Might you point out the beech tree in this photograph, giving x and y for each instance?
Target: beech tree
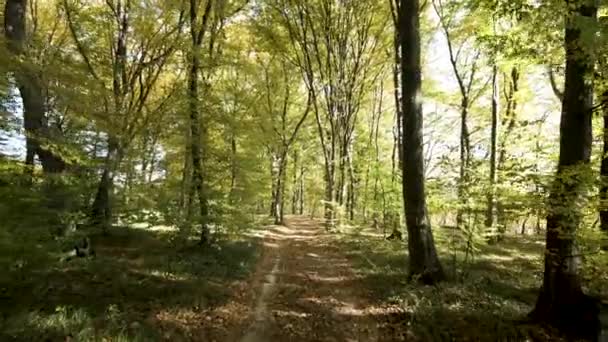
(561, 300)
(423, 259)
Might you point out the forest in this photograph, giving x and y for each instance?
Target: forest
(304, 170)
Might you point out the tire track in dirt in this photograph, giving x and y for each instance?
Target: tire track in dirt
(306, 290)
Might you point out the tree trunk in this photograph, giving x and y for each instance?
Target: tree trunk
(561, 301)
(31, 89)
(295, 190)
(197, 32)
(101, 214)
(301, 204)
(351, 188)
(233, 168)
(464, 159)
(329, 212)
(491, 205)
(508, 122)
(279, 164)
(423, 260)
(604, 168)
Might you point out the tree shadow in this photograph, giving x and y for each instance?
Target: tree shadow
(140, 284)
(486, 299)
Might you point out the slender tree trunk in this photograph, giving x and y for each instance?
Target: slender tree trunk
(464, 159)
(329, 210)
(274, 171)
(102, 205)
(279, 173)
(186, 180)
(295, 188)
(233, 168)
(561, 301)
(604, 168)
(508, 122)
(491, 205)
(423, 260)
(301, 199)
(196, 149)
(351, 187)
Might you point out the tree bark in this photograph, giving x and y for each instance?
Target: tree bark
(561, 301)
(278, 210)
(301, 187)
(423, 259)
(101, 210)
(197, 32)
(508, 123)
(295, 189)
(604, 167)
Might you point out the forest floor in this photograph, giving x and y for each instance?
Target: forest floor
(273, 283)
(306, 290)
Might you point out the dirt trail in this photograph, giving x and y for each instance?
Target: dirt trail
(305, 290)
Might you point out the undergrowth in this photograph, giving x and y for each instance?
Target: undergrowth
(486, 298)
(142, 285)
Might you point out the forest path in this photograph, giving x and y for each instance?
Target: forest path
(306, 290)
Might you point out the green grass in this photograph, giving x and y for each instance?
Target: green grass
(485, 299)
(141, 286)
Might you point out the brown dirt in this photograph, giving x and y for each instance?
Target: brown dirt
(305, 290)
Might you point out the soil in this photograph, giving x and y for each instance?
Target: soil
(304, 289)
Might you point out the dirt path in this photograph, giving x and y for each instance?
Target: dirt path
(305, 290)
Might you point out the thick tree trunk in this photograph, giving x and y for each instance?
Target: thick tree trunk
(561, 301)
(491, 203)
(31, 89)
(423, 259)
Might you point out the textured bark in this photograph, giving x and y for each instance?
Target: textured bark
(561, 301)
(423, 260)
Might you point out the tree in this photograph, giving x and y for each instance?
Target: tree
(198, 28)
(126, 86)
(31, 87)
(334, 45)
(561, 300)
(424, 262)
(464, 59)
